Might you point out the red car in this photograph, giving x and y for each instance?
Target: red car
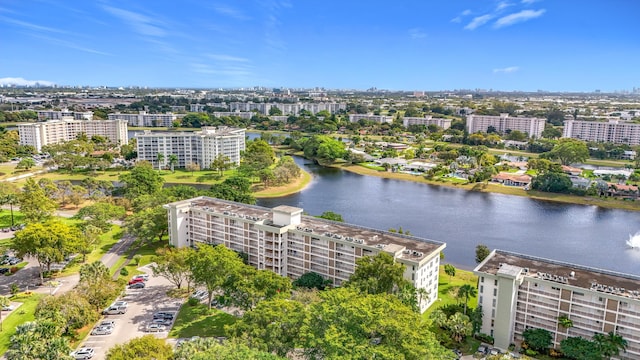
(135, 281)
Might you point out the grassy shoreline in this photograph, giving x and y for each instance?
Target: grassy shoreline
(292, 188)
(497, 188)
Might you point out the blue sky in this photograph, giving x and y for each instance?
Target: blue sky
(556, 45)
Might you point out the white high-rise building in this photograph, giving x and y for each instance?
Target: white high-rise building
(427, 120)
(290, 244)
(200, 147)
(613, 131)
(531, 126)
(519, 292)
(143, 119)
(58, 131)
(64, 114)
(370, 117)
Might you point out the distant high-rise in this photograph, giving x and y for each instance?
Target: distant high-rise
(531, 126)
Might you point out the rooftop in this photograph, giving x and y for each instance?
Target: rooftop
(411, 247)
(564, 273)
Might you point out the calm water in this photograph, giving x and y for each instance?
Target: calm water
(586, 235)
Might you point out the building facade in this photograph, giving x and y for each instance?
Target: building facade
(67, 129)
(143, 119)
(290, 244)
(613, 131)
(199, 147)
(531, 126)
(287, 108)
(427, 120)
(64, 114)
(370, 117)
(518, 292)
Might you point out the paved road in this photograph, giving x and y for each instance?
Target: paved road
(142, 303)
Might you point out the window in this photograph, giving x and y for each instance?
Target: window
(482, 279)
(480, 301)
(481, 288)
(494, 303)
(495, 292)
(493, 313)
(495, 282)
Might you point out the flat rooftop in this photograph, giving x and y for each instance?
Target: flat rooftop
(585, 277)
(415, 248)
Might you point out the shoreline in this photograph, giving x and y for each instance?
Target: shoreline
(497, 189)
(273, 192)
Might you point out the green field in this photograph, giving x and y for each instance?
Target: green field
(200, 321)
(21, 315)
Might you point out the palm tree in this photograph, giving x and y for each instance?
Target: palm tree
(173, 159)
(610, 344)
(564, 321)
(466, 291)
(421, 293)
(439, 318)
(160, 158)
(450, 270)
(460, 326)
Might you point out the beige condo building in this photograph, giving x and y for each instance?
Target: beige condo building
(531, 126)
(142, 119)
(67, 129)
(518, 292)
(290, 244)
(427, 120)
(613, 131)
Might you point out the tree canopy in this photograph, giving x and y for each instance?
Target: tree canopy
(142, 179)
(142, 348)
(569, 151)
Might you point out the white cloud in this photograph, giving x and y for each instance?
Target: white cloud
(466, 12)
(230, 12)
(417, 33)
(529, 1)
(71, 45)
(458, 18)
(507, 70)
(142, 24)
(31, 26)
(478, 21)
(23, 82)
(515, 18)
(503, 5)
(229, 58)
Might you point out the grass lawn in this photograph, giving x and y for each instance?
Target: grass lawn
(200, 321)
(107, 240)
(5, 218)
(21, 315)
(291, 188)
(447, 289)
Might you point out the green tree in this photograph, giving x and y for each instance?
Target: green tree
(96, 285)
(552, 182)
(70, 309)
(312, 280)
(274, 111)
(348, 324)
(565, 322)
(77, 195)
(220, 164)
(330, 215)
(377, 275)
(93, 272)
(482, 251)
(258, 155)
(8, 195)
(272, 326)
(172, 264)
(450, 270)
(26, 163)
(160, 160)
(211, 348)
(100, 215)
(148, 224)
(466, 291)
(569, 151)
(235, 188)
(48, 242)
(141, 180)
(38, 340)
(248, 286)
(579, 348)
(89, 239)
(459, 326)
(212, 266)
(538, 339)
(35, 205)
(173, 160)
(141, 348)
(610, 344)
(192, 166)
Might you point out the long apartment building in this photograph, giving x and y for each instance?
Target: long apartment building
(370, 117)
(290, 244)
(287, 108)
(59, 131)
(427, 120)
(143, 119)
(199, 147)
(531, 126)
(613, 131)
(64, 114)
(518, 292)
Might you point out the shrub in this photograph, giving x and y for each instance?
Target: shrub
(14, 269)
(124, 272)
(193, 301)
(485, 338)
(15, 289)
(137, 258)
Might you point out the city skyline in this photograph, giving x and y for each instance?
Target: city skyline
(523, 45)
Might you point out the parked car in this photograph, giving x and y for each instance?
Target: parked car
(458, 353)
(167, 315)
(165, 322)
(137, 285)
(144, 277)
(200, 295)
(14, 261)
(4, 270)
(83, 353)
(102, 330)
(156, 328)
(135, 281)
(119, 303)
(114, 310)
(482, 350)
(111, 323)
(494, 351)
(8, 308)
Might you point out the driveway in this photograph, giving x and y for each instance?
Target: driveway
(142, 303)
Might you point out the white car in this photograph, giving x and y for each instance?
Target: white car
(8, 308)
(102, 330)
(119, 304)
(83, 353)
(109, 323)
(156, 328)
(200, 295)
(115, 310)
(144, 277)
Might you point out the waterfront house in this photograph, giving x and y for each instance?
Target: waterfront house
(509, 179)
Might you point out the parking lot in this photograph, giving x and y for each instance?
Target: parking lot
(142, 304)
